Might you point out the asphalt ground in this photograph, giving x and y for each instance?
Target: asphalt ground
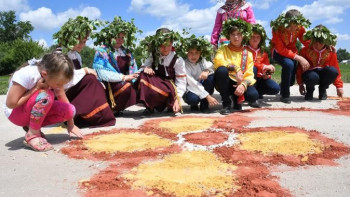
(28, 173)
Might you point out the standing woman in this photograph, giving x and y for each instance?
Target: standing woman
(232, 9)
(115, 64)
(95, 111)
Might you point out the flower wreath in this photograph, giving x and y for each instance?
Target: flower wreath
(150, 44)
(243, 27)
(259, 29)
(108, 34)
(199, 43)
(75, 29)
(321, 34)
(283, 22)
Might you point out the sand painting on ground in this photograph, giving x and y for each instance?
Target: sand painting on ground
(199, 156)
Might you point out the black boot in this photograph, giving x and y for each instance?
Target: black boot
(323, 94)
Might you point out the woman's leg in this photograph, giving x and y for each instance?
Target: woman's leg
(287, 75)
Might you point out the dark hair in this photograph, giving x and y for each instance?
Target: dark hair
(292, 13)
(57, 64)
(163, 30)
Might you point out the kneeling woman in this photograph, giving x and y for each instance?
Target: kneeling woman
(163, 80)
(115, 65)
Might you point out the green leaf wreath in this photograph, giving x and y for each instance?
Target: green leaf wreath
(259, 29)
(242, 26)
(107, 36)
(193, 42)
(74, 30)
(150, 44)
(283, 22)
(321, 34)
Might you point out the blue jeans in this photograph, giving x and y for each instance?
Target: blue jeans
(289, 68)
(226, 89)
(265, 86)
(319, 76)
(193, 99)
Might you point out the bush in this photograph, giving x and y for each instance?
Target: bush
(13, 54)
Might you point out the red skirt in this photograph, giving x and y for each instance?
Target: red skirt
(155, 92)
(92, 109)
(124, 95)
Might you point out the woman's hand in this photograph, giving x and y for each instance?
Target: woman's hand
(130, 77)
(204, 75)
(41, 84)
(211, 100)
(72, 129)
(303, 62)
(239, 77)
(340, 93)
(148, 71)
(239, 90)
(176, 106)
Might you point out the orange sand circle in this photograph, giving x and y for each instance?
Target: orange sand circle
(189, 173)
(125, 142)
(280, 142)
(187, 124)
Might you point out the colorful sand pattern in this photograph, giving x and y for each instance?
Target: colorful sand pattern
(152, 161)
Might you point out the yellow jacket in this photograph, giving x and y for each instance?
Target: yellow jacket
(226, 56)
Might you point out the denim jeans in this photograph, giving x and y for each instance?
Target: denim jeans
(289, 67)
(226, 89)
(193, 99)
(265, 86)
(320, 76)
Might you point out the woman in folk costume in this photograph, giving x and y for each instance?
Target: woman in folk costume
(262, 67)
(92, 112)
(324, 69)
(163, 80)
(286, 30)
(115, 65)
(232, 9)
(200, 73)
(233, 63)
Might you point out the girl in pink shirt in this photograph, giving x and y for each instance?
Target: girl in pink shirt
(232, 9)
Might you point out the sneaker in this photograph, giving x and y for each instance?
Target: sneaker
(309, 96)
(322, 95)
(285, 100)
(148, 112)
(118, 113)
(194, 108)
(254, 104)
(225, 110)
(238, 107)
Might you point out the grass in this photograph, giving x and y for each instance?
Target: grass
(4, 83)
(344, 69)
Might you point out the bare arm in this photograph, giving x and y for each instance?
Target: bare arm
(18, 95)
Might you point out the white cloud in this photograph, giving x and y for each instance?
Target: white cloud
(329, 11)
(262, 4)
(16, 5)
(345, 37)
(44, 19)
(42, 42)
(199, 20)
(159, 8)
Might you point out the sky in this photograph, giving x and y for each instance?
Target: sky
(197, 16)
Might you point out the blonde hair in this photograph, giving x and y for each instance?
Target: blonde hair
(56, 64)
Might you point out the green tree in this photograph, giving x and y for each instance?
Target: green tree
(13, 54)
(342, 54)
(87, 56)
(10, 30)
